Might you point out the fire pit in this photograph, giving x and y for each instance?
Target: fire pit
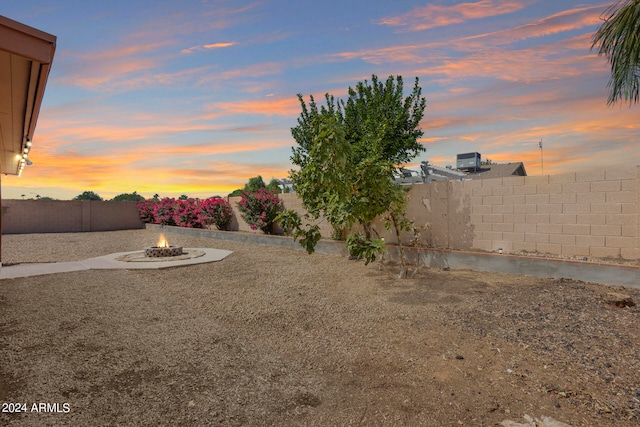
(163, 249)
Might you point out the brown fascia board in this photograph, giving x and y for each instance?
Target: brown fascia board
(38, 47)
(26, 41)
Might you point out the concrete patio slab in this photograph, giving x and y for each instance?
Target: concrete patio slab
(109, 262)
(26, 270)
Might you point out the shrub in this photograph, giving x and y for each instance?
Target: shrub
(164, 212)
(260, 208)
(188, 213)
(192, 213)
(146, 210)
(217, 211)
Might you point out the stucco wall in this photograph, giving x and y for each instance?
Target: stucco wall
(57, 216)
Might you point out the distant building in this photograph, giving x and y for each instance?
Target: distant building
(286, 185)
(425, 173)
(498, 171)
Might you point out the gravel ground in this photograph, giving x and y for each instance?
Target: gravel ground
(272, 336)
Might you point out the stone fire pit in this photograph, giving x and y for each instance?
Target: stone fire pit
(160, 252)
(163, 249)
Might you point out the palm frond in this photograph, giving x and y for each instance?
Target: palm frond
(618, 38)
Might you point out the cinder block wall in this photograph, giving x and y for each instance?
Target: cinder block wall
(592, 214)
(58, 216)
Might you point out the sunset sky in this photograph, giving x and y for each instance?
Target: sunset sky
(195, 97)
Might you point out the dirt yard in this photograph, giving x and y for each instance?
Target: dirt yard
(272, 336)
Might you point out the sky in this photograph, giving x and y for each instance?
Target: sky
(197, 96)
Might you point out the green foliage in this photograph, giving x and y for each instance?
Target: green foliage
(128, 197)
(309, 238)
(183, 197)
(274, 185)
(379, 120)
(347, 153)
(291, 222)
(361, 247)
(87, 195)
(254, 184)
(618, 39)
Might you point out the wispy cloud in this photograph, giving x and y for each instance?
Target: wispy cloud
(132, 61)
(434, 15)
(433, 52)
(567, 20)
(267, 107)
(251, 71)
(208, 47)
(214, 17)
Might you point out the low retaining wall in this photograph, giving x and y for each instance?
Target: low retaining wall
(329, 247)
(607, 274)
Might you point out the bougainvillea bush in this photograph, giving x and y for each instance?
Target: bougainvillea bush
(192, 213)
(164, 211)
(188, 213)
(146, 209)
(260, 208)
(218, 212)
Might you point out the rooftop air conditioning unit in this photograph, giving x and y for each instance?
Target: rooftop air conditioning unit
(468, 161)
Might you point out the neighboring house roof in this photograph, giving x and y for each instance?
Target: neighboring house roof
(25, 60)
(425, 173)
(436, 173)
(498, 171)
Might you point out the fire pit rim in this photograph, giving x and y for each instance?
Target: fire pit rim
(162, 251)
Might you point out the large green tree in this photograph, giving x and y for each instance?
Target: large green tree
(128, 197)
(347, 152)
(87, 195)
(618, 38)
(254, 184)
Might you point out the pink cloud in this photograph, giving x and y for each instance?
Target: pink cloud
(566, 20)
(289, 106)
(434, 52)
(257, 70)
(208, 47)
(433, 15)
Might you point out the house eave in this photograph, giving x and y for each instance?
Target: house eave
(26, 55)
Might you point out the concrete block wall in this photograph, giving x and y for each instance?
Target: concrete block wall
(592, 214)
(57, 216)
(586, 214)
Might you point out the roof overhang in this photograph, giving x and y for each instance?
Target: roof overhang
(25, 61)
